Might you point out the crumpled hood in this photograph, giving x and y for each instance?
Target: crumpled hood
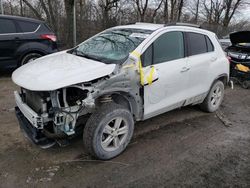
(240, 37)
(59, 70)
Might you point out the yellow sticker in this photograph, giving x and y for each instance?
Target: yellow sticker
(138, 55)
(128, 66)
(150, 77)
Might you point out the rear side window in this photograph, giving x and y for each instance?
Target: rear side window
(210, 46)
(27, 26)
(168, 46)
(196, 44)
(7, 26)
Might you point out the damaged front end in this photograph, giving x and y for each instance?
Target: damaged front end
(48, 117)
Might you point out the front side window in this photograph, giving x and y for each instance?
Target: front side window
(112, 46)
(7, 26)
(167, 47)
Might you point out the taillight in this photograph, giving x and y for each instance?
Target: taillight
(49, 37)
(229, 59)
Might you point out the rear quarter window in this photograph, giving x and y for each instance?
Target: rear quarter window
(210, 46)
(44, 28)
(27, 26)
(7, 26)
(196, 44)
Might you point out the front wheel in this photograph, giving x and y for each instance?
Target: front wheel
(108, 131)
(214, 98)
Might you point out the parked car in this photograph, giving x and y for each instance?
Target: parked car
(225, 43)
(122, 75)
(239, 53)
(23, 40)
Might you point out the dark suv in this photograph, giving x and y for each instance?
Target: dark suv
(23, 40)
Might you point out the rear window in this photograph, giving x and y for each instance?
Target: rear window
(197, 44)
(7, 26)
(27, 26)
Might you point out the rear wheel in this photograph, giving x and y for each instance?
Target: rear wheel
(214, 98)
(108, 131)
(246, 84)
(30, 57)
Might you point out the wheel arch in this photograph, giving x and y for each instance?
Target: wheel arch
(222, 77)
(125, 99)
(41, 52)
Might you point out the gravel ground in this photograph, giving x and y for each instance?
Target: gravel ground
(182, 148)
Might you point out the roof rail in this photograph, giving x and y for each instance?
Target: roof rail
(142, 23)
(182, 24)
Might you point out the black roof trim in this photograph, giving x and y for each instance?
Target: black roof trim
(21, 18)
(182, 24)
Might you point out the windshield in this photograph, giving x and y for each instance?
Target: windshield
(112, 46)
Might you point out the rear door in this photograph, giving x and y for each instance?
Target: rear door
(8, 34)
(200, 56)
(167, 56)
(27, 32)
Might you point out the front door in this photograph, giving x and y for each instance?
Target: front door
(167, 56)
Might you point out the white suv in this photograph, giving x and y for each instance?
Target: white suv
(121, 75)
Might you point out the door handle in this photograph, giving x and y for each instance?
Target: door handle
(17, 40)
(185, 69)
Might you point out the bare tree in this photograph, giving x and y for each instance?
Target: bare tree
(21, 7)
(155, 11)
(165, 11)
(69, 4)
(197, 5)
(180, 7)
(230, 8)
(106, 6)
(141, 8)
(96, 15)
(34, 10)
(176, 7)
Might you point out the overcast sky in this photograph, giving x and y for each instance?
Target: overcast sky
(246, 12)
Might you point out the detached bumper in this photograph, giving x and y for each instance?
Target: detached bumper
(34, 134)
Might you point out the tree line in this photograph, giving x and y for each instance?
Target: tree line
(92, 16)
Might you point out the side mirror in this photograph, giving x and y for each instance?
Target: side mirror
(149, 75)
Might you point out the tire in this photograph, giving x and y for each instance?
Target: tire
(214, 98)
(30, 57)
(102, 136)
(245, 84)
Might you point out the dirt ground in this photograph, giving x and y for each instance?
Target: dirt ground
(182, 148)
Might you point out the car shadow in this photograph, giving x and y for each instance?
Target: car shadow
(6, 73)
(142, 128)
